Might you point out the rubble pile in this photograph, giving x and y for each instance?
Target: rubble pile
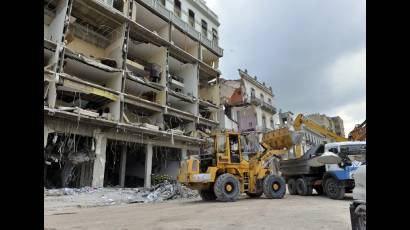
(89, 196)
(168, 191)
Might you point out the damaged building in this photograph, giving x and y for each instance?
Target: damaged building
(131, 87)
(248, 105)
(335, 124)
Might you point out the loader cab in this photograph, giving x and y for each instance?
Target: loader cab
(228, 148)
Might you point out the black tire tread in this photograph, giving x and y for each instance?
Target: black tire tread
(340, 194)
(267, 187)
(306, 189)
(292, 187)
(219, 186)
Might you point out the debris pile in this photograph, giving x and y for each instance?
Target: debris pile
(88, 196)
(168, 191)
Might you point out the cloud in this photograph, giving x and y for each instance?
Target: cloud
(312, 52)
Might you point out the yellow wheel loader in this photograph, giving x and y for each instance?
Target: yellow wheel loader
(221, 172)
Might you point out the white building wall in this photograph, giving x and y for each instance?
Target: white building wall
(185, 6)
(258, 91)
(259, 112)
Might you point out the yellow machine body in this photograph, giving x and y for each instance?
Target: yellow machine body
(248, 172)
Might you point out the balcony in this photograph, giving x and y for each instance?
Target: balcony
(182, 25)
(268, 107)
(255, 101)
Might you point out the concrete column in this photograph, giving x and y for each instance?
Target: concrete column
(148, 166)
(46, 132)
(52, 95)
(123, 163)
(183, 154)
(99, 162)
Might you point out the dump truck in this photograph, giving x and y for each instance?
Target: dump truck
(222, 173)
(326, 168)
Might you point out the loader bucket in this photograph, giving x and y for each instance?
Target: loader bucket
(282, 138)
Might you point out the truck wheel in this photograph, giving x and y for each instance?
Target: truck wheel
(292, 187)
(227, 187)
(334, 189)
(303, 188)
(207, 195)
(274, 187)
(254, 195)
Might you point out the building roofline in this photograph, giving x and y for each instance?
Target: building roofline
(206, 11)
(245, 75)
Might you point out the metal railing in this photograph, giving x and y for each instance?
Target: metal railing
(268, 107)
(184, 26)
(254, 100)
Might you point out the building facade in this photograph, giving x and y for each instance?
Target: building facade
(248, 103)
(130, 88)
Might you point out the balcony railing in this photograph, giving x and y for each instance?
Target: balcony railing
(158, 7)
(255, 101)
(268, 107)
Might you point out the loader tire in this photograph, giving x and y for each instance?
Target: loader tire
(254, 195)
(292, 187)
(334, 189)
(227, 187)
(274, 187)
(207, 195)
(303, 188)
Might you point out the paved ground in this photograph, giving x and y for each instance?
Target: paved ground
(292, 212)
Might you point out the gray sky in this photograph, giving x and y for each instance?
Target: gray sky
(312, 52)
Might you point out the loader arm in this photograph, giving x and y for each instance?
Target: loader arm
(276, 143)
(301, 120)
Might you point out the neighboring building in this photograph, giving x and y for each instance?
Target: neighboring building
(128, 84)
(286, 119)
(248, 103)
(338, 126)
(334, 124)
(310, 137)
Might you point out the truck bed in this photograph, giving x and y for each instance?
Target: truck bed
(299, 166)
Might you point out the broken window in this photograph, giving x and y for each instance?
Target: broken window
(68, 160)
(204, 28)
(191, 18)
(177, 8)
(119, 5)
(162, 2)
